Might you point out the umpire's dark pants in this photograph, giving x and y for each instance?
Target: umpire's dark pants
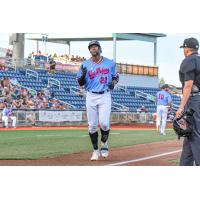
(191, 145)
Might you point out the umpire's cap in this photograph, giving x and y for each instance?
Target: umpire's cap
(190, 43)
(94, 42)
(165, 86)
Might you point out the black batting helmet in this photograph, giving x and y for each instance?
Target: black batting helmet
(95, 42)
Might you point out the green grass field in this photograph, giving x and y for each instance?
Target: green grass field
(50, 143)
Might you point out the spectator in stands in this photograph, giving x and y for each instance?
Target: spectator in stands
(16, 104)
(39, 104)
(1, 104)
(23, 93)
(2, 67)
(14, 81)
(72, 58)
(29, 60)
(12, 93)
(45, 105)
(142, 109)
(5, 82)
(52, 65)
(39, 53)
(43, 98)
(30, 103)
(56, 104)
(8, 59)
(81, 91)
(5, 92)
(47, 92)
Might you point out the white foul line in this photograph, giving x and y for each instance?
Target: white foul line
(144, 158)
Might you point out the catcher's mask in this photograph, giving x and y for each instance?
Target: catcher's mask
(183, 126)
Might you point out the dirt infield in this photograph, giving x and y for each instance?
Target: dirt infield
(140, 152)
(162, 153)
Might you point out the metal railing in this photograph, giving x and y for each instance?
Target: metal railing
(144, 95)
(119, 107)
(121, 87)
(53, 81)
(76, 90)
(32, 73)
(64, 102)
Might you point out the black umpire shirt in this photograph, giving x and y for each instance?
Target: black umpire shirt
(190, 69)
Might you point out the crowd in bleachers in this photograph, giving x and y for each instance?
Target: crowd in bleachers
(19, 97)
(64, 59)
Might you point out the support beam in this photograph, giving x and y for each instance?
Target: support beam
(114, 47)
(69, 50)
(37, 46)
(155, 54)
(18, 48)
(136, 36)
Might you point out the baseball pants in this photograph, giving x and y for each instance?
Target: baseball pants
(161, 118)
(191, 145)
(5, 120)
(98, 111)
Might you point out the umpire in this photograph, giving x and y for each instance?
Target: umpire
(189, 75)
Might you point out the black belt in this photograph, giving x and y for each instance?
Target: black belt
(102, 92)
(194, 94)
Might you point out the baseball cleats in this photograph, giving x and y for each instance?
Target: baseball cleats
(95, 155)
(104, 150)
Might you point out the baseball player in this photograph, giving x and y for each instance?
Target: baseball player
(164, 103)
(7, 114)
(98, 74)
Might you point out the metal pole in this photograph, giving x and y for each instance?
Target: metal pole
(114, 47)
(45, 48)
(69, 50)
(155, 54)
(37, 47)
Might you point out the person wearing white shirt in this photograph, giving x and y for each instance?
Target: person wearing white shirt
(6, 115)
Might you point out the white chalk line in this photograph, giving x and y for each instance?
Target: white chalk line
(144, 158)
(59, 136)
(55, 135)
(110, 134)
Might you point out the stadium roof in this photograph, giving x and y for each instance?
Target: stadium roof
(78, 37)
(72, 37)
